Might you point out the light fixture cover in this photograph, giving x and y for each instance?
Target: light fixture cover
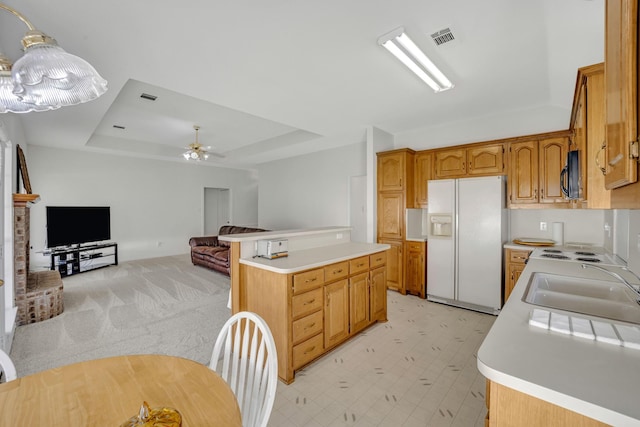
(398, 43)
(9, 102)
(46, 75)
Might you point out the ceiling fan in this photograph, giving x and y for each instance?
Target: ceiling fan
(196, 151)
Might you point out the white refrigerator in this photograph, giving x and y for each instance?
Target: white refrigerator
(467, 228)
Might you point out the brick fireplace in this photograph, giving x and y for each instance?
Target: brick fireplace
(38, 295)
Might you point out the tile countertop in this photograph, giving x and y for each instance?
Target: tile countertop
(599, 380)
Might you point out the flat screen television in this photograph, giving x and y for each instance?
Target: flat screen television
(74, 225)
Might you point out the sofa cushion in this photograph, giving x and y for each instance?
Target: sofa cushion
(233, 229)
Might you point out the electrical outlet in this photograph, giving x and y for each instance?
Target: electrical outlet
(339, 236)
(543, 226)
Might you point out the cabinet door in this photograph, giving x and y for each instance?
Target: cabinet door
(485, 160)
(451, 163)
(598, 197)
(336, 312)
(515, 270)
(415, 271)
(621, 36)
(523, 172)
(378, 294)
(391, 171)
(358, 302)
(390, 215)
(394, 265)
(424, 166)
(552, 158)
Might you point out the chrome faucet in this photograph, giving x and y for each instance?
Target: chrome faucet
(617, 276)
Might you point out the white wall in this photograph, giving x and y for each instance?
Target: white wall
(155, 205)
(310, 190)
(580, 225)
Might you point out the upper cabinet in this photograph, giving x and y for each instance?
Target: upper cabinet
(534, 171)
(476, 160)
(588, 127)
(395, 170)
(621, 92)
(424, 167)
(395, 191)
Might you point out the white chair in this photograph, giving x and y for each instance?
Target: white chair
(249, 365)
(7, 368)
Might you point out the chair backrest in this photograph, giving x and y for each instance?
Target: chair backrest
(244, 355)
(7, 368)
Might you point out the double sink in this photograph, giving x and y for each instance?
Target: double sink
(600, 298)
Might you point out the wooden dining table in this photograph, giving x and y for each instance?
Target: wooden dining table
(108, 392)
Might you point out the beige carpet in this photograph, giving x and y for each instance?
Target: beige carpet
(155, 306)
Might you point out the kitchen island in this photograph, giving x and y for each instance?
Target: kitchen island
(325, 291)
(541, 377)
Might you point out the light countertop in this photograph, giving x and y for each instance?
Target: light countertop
(315, 257)
(597, 379)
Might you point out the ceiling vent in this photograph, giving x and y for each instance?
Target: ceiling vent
(118, 127)
(442, 36)
(149, 97)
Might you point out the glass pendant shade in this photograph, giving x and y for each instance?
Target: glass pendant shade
(9, 102)
(46, 75)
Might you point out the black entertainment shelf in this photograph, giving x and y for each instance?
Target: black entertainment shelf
(79, 259)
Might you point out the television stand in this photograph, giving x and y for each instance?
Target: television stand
(79, 259)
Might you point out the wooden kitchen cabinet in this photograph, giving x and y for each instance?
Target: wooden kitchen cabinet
(621, 73)
(509, 407)
(312, 311)
(588, 127)
(395, 262)
(515, 261)
(395, 194)
(378, 295)
(450, 163)
(415, 268)
(424, 172)
(476, 160)
(391, 215)
(336, 312)
(534, 171)
(485, 159)
(395, 171)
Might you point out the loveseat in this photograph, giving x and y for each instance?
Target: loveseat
(210, 252)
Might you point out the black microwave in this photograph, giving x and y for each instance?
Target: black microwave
(570, 176)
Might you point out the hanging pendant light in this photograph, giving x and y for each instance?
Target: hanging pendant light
(46, 77)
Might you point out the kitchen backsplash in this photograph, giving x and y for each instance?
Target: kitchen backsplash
(580, 225)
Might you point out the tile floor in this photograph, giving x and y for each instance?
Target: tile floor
(417, 369)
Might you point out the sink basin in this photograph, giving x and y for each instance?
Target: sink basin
(599, 298)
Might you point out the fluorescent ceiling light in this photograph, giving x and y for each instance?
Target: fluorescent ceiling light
(403, 48)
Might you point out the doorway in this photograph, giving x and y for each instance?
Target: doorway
(216, 210)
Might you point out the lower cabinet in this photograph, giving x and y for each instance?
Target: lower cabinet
(415, 277)
(508, 407)
(313, 311)
(395, 263)
(515, 261)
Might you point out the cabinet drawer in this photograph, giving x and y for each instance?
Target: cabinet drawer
(414, 246)
(306, 303)
(307, 351)
(518, 256)
(308, 280)
(336, 271)
(358, 265)
(376, 260)
(307, 327)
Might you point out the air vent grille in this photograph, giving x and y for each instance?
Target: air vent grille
(442, 36)
(149, 97)
(118, 127)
